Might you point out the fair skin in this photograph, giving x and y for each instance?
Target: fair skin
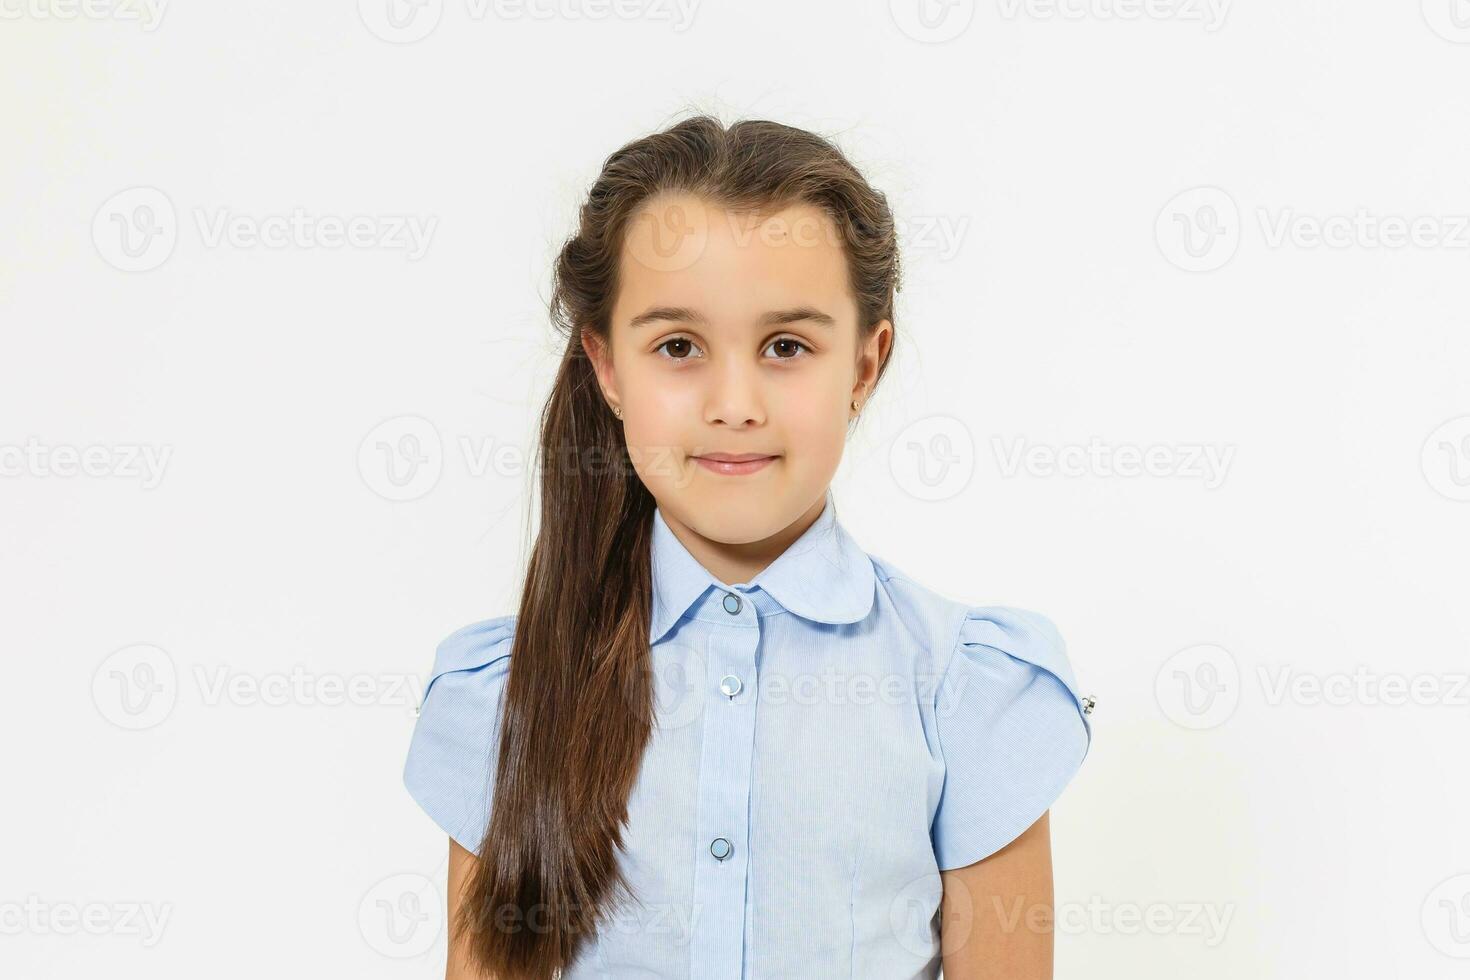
(996, 916)
(740, 336)
(744, 340)
(457, 965)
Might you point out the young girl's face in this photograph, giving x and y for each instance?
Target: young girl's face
(736, 335)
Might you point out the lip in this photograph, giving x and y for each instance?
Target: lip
(734, 464)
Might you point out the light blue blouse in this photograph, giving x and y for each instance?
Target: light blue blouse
(829, 737)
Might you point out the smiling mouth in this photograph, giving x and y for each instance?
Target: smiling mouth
(734, 464)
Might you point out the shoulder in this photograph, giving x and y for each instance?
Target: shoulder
(1011, 728)
(452, 754)
(916, 601)
(1007, 647)
(928, 616)
(1014, 642)
(470, 648)
(470, 669)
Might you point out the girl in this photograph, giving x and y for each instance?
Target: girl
(718, 739)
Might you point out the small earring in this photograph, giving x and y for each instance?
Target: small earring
(617, 411)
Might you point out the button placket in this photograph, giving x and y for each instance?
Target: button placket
(730, 684)
(722, 861)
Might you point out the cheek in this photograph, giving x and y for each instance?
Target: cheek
(815, 425)
(655, 427)
(657, 457)
(815, 406)
(650, 386)
(660, 409)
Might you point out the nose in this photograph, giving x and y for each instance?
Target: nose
(734, 397)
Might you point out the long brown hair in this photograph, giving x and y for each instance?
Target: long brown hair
(578, 706)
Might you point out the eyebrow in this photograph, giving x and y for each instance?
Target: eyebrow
(683, 314)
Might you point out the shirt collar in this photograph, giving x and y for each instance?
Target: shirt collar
(823, 576)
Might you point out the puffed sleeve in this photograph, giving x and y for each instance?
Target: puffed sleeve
(455, 743)
(1011, 729)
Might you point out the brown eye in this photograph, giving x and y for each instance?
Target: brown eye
(787, 344)
(683, 353)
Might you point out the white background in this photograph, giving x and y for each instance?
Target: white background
(1067, 286)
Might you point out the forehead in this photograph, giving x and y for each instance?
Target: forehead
(681, 250)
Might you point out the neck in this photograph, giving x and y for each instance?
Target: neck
(737, 562)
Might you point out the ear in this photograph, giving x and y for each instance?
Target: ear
(871, 355)
(601, 358)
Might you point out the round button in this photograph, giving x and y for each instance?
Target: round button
(730, 685)
(720, 848)
(732, 603)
